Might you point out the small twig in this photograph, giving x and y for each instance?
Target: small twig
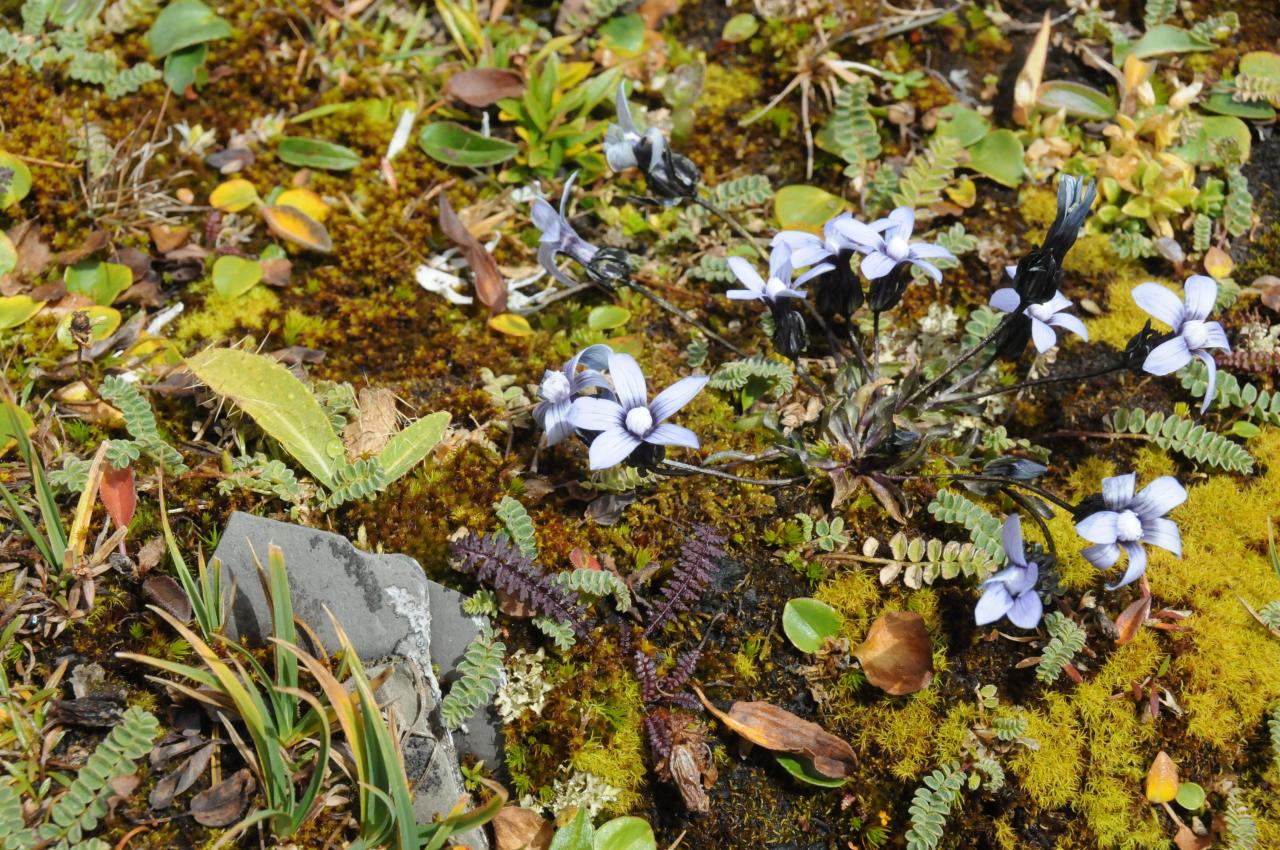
(716, 473)
(991, 479)
(733, 223)
(668, 306)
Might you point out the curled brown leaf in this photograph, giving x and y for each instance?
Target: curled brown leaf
(491, 289)
(224, 803)
(897, 655)
(484, 86)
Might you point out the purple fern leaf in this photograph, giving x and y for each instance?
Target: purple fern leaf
(697, 566)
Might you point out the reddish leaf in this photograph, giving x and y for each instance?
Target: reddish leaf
(118, 494)
(491, 289)
(897, 655)
(777, 729)
(484, 86)
(1132, 618)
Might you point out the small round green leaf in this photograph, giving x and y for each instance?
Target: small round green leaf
(183, 23)
(739, 28)
(963, 124)
(808, 622)
(1190, 796)
(624, 34)
(998, 156)
(607, 317)
(102, 282)
(802, 771)
(17, 309)
(317, 153)
(800, 207)
(625, 833)
(454, 144)
(234, 276)
(19, 182)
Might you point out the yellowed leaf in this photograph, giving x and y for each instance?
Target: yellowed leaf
(1162, 779)
(1218, 263)
(293, 225)
(234, 195)
(511, 324)
(1028, 82)
(305, 201)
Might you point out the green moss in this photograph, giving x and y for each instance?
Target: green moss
(219, 317)
(725, 87)
(1121, 316)
(617, 756)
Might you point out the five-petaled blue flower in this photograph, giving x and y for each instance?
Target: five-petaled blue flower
(1012, 591)
(886, 243)
(819, 253)
(1044, 317)
(630, 420)
(1193, 334)
(560, 388)
(1126, 521)
(778, 285)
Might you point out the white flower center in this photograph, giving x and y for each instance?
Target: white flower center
(555, 387)
(1195, 334)
(1128, 527)
(639, 421)
(773, 287)
(1040, 312)
(897, 249)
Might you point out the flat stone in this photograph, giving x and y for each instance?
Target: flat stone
(392, 613)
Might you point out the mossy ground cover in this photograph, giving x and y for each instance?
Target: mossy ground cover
(1216, 674)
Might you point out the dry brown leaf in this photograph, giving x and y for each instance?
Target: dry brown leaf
(1269, 286)
(1186, 839)
(1132, 618)
(169, 595)
(168, 238)
(150, 554)
(491, 289)
(224, 803)
(1028, 82)
(374, 425)
(33, 253)
(779, 730)
(484, 86)
(654, 11)
(276, 271)
(897, 655)
(293, 225)
(92, 243)
(687, 777)
(518, 828)
(191, 769)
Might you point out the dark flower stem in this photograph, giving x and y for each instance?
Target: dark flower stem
(1022, 385)
(716, 473)
(668, 306)
(991, 479)
(836, 350)
(959, 361)
(733, 223)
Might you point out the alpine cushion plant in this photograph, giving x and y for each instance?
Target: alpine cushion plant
(629, 421)
(1192, 335)
(1012, 591)
(1122, 520)
(560, 387)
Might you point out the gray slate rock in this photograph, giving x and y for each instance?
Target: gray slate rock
(393, 614)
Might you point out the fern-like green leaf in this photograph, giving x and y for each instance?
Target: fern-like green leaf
(1273, 726)
(1184, 436)
(1242, 829)
(984, 529)
(712, 268)
(518, 524)
(480, 671)
(141, 422)
(1237, 214)
(1132, 244)
(928, 174)
(597, 584)
(931, 805)
(259, 474)
(851, 130)
(1065, 640)
(14, 834)
(735, 375)
(1202, 231)
(751, 190)
(1157, 12)
(356, 480)
(923, 561)
(77, 812)
(1230, 393)
(561, 634)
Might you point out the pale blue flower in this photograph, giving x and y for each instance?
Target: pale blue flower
(630, 419)
(1126, 521)
(559, 389)
(886, 243)
(1012, 591)
(778, 285)
(1044, 317)
(1193, 334)
(559, 237)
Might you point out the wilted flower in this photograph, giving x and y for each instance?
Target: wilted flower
(838, 290)
(1012, 591)
(1126, 521)
(560, 388)
(1040, 319)
(631, 422)
(670, 175)
(1036, 276)
(559, 237)
(886, 245)
(1192, 335)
